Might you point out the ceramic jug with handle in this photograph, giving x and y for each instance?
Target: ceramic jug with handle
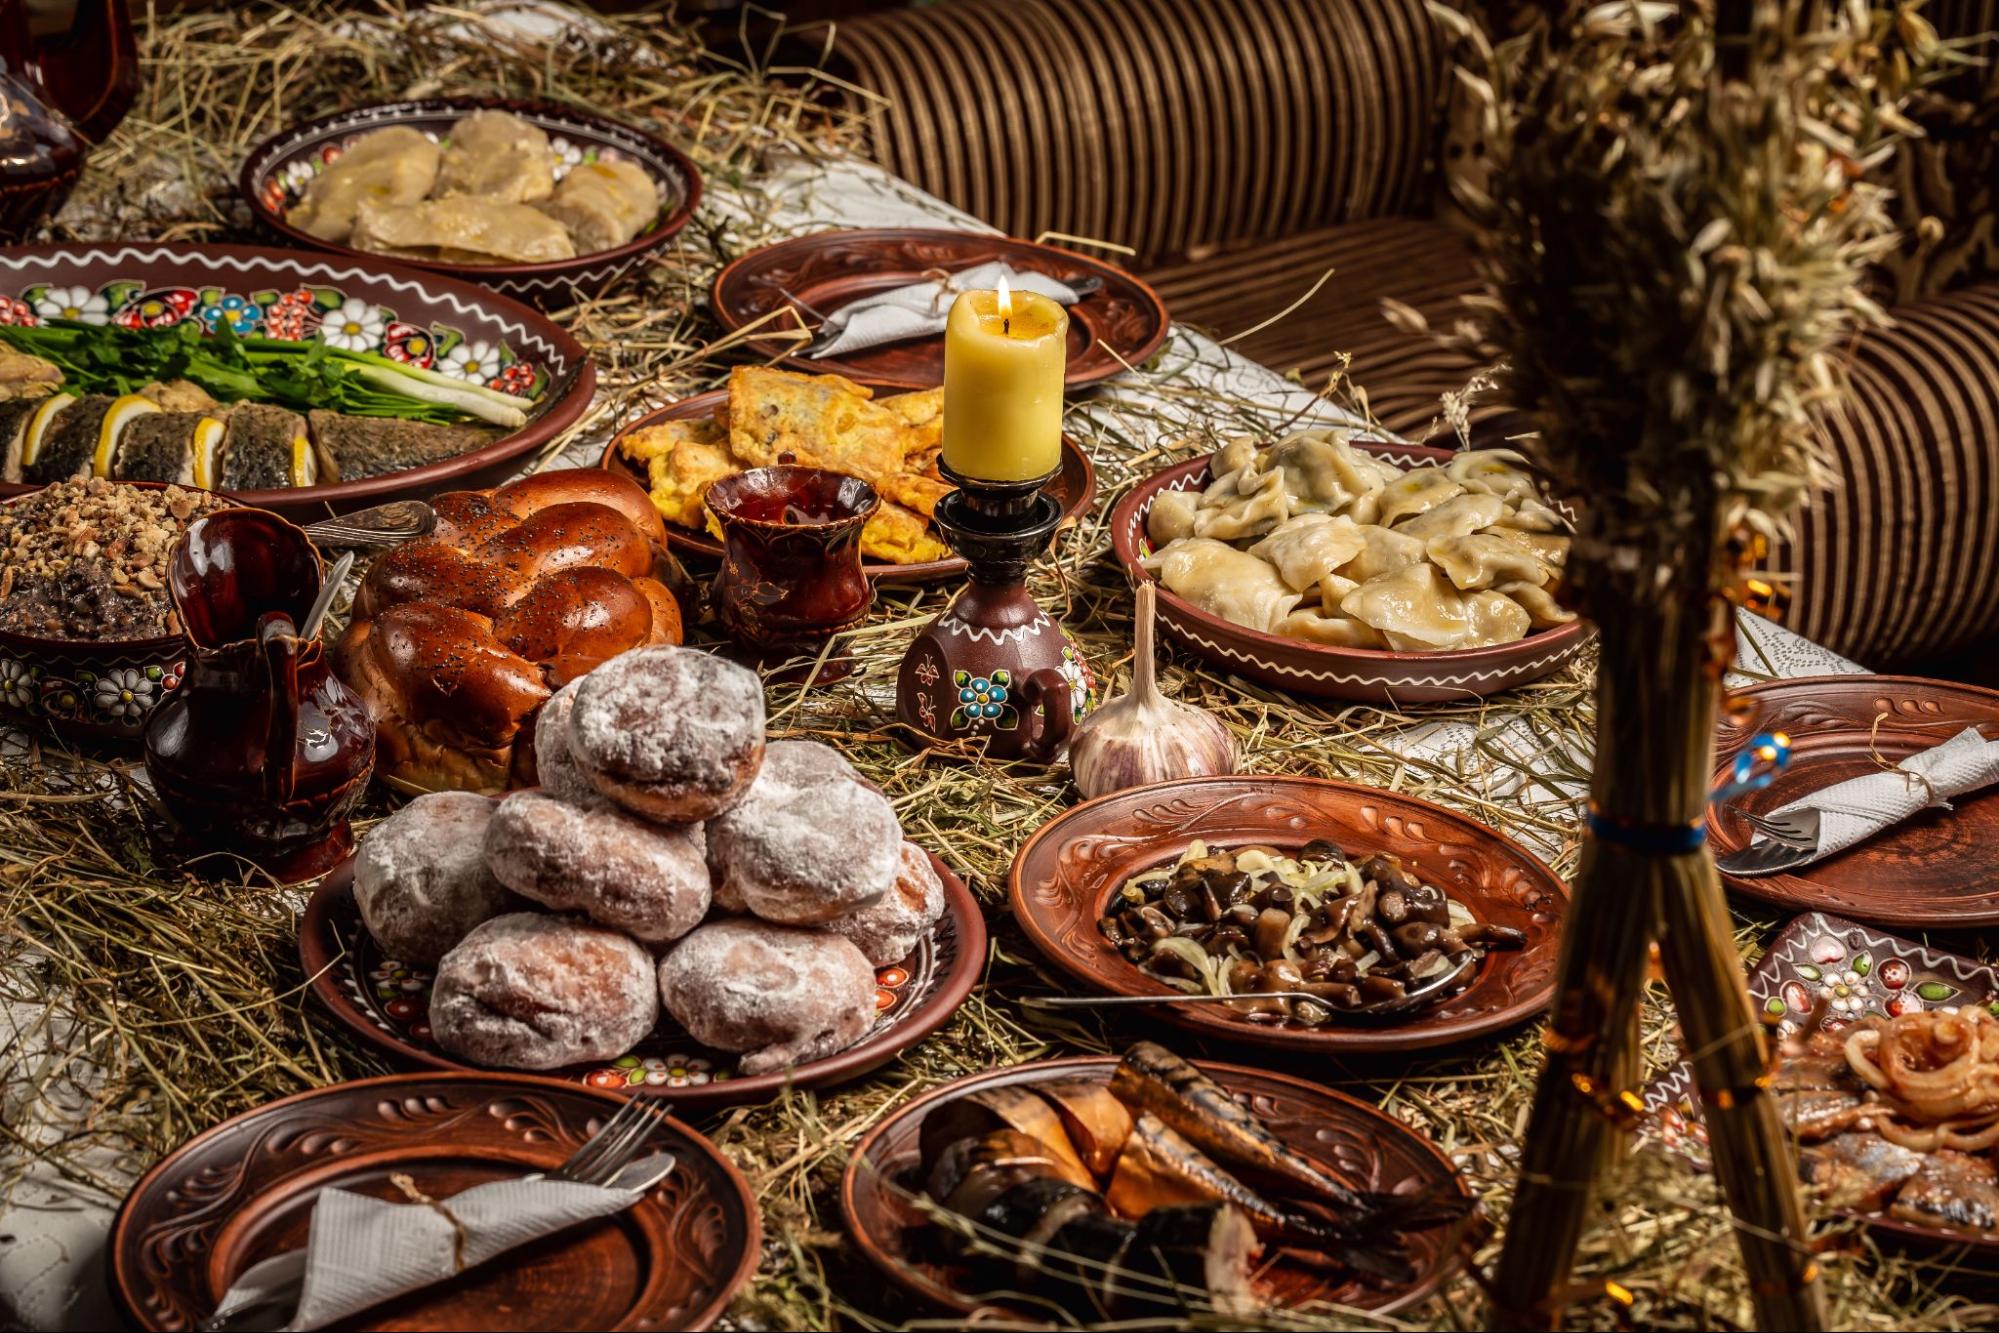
(82, 54)
(263, 751)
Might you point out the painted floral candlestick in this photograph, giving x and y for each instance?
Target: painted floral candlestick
(995, 668)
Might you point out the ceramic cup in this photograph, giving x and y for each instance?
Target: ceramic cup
(791, 557)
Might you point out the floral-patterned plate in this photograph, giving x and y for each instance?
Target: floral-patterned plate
(387, 1003)
(1859, 972)
(277, 171)
(435, 322)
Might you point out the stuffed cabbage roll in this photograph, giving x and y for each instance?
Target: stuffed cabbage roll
(461, 228)
(497, 156)
(604, 204)
(397, 165)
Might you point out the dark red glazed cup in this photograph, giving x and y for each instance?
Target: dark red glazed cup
(791, 555)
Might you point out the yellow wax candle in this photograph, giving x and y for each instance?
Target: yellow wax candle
(1003, 361)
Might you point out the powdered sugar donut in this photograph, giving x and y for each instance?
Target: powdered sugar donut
(887, 929)
(648, 880)
(809, 842)
(421, 880)
(555, 766)
(531, 991)
(780, 996)
(674, 734)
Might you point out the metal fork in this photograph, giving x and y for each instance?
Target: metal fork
(599, 1161)
(1797, 828)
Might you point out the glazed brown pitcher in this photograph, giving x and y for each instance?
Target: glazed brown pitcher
(263, 751)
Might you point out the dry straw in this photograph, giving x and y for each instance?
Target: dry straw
(158, 1004)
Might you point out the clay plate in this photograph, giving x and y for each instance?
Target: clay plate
(1068, 871)
(288, 293)
(387, 1004)
(1074, 488)
(243, 1191)
(1930, 871)
(1368, 675)
(1867, 972)
(1121, 324)
(1355, 1141)
(275, 173)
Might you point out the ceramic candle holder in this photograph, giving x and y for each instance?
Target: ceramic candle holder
(791, 560)
(995, 669)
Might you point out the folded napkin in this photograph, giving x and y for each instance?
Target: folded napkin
(362, 1251)
(922, 307)
(1857, 809)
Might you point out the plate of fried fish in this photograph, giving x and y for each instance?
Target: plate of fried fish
(767, 416)
(1084, 1190)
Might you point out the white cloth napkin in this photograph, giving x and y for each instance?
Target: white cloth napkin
(922, 308)
(362, 1251)
(1857, 809)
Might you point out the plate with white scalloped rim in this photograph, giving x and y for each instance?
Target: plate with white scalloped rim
(1366, 675)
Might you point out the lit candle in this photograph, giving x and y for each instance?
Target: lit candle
(1003, 362)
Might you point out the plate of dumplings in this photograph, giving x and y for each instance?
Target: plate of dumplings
(1325, 564)
(681, 908)
(542, 202)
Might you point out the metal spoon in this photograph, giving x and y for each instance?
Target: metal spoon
(1411, 1000)
(334, 578)
(383, 525)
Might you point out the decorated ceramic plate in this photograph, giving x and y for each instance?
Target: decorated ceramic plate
(437, 323)
(1065, 876)
(387, 1003)
(1858, 972)
(243, 1192)
(1120, 324)
(278, 170)
(878, 1195)
(1074, 488)
(1929, 871)
(1369, 675)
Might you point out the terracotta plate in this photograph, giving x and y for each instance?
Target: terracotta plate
(424, 318)
(1354, 1140)
(1066, 874)
(243, 1191)
(1074, 488)
(1121, 324)
(1931, 871)
(1863, 971)
(387, 1003)
(1370, 675)
(277, 171)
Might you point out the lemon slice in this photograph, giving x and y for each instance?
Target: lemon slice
(116, 418)
(305, 464)
(38, 426)
(206, 445)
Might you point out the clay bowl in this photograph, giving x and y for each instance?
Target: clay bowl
(1065, 875)
(1074, 488)
(276, 171)
(386, 1003)
(239, 1193)
(285, 293)
(1366, 675)
(1929, 872)
(1123, 323)
(1357, 1142)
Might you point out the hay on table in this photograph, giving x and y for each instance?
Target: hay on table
(176, 1002)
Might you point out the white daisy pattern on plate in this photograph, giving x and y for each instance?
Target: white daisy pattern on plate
(78, 303)
(355, 327)
(473, 362)
(298, 173)
(567, 155)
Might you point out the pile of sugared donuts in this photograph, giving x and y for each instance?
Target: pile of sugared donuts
(670, 858)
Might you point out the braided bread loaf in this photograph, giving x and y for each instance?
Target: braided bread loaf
(457, 640)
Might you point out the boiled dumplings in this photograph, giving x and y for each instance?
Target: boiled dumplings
(1311, 539)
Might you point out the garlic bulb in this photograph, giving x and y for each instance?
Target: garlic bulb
(1145, 736)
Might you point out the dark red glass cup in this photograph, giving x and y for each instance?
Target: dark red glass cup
(791, 557)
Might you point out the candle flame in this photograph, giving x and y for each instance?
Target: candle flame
(1005, 299)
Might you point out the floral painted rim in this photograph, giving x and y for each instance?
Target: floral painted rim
(1128, 540)
(274, 153)
(948, 965)
(1860, 972)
